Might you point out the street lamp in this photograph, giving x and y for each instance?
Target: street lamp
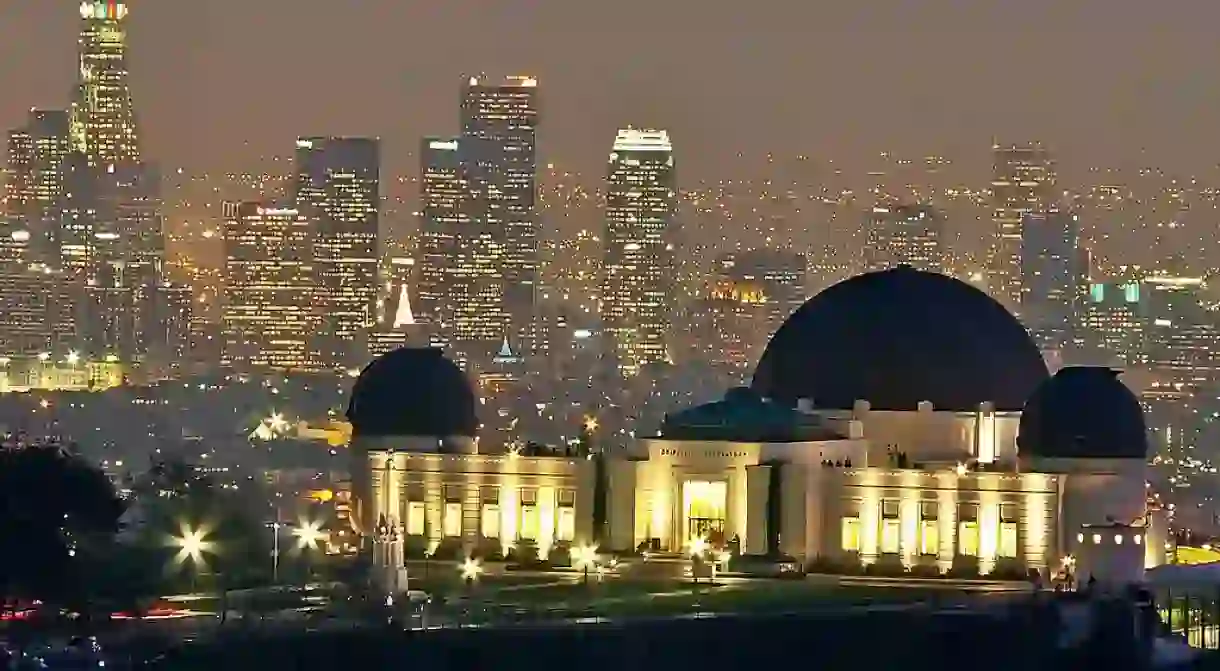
(697, 547)
(192, 543)
(471, 570)
(309, 535)
(583, 557)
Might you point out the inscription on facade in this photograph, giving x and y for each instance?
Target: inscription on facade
(722, 454)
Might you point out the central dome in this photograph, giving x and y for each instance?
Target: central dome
(897, 337)
(412, 392)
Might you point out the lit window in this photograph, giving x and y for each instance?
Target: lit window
(929, 537)
(851, 534)
(529, 522)
(1137, 539)
(491, 521)
(1008, 539)
(566, 524)
(1118, 539)
(968, 538)
(889, 536)
(415, 518)
(1096, 539)
(452, 521)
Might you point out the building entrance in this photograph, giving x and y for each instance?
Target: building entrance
(703, 508)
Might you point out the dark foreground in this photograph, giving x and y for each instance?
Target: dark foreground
(1014, 638)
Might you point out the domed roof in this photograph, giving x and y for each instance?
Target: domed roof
(897, 337)
(412, 392)
(1083, 412)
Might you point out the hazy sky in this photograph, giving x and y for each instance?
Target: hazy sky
(1100, 80)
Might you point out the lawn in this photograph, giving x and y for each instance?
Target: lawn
(624, 598)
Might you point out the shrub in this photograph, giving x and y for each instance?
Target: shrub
(1008, 568)
(888, 566)
(848, 564)
(926, 571)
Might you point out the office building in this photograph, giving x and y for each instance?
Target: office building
(1054, 277)
(905, 235)
(499, 123)
(34, 187)
(268, 317)
(1023, 182)
(1182, 337)
(338, 189)
(461, 288)
(103, 119)
(638, 280)
(1113, 320)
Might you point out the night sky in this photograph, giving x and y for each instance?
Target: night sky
(221, 82)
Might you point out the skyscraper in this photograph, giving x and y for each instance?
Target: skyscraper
(904, 234)
(637, 269)
(338, 187)
(461, 286)
(500, 164)
(1054, 277)
(750, 296)
(35, 182)
(103, 120)
(1023, 182)
(268, 317)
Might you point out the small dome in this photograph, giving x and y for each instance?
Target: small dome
(412, 392)
(1083, 412)
(897, 337)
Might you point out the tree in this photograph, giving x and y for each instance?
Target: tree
(55, 509)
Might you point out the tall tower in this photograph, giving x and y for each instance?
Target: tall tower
(904, 235)
(1054, 277)
(1023, 182)
(462, 279)
(500, 157)
(103, 118)
(637, 269)
(267, 314)
(35, 185)
(338, 187)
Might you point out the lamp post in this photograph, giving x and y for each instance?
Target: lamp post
(584, 557)
(309, 535)
(192, 543)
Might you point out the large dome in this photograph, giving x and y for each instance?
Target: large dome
(1083, 412)
(897, 337)
(412, 392)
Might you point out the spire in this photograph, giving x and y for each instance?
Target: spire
(505, 350)
(403, 315)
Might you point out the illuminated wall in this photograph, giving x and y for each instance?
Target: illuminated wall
(493, 503)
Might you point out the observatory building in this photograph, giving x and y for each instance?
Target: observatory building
(899, 416)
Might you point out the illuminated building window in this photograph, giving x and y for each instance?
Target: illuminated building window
(491, 520)
(565, 526)
(529, 522)
(890, 528)
(1008, 530)
(968, 538)
(416, 516)
(851, 534)
(929, 537)
(452, 520)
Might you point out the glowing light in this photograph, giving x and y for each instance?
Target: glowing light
(697, 546)
(73, 358)
(961, 470)
(192, 543)
(471, 569)
(309, 534)
(584, 556)
(590, 424)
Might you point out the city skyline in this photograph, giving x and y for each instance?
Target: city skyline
(940, 85)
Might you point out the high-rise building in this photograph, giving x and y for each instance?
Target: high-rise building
(500, 165)
(1054, 277)
(905, 235)
(103, 120)
(1182, 336)
(1113, 320)
(461, 286)
(34, 187)
(749, 298)
(37, 311)
(1023, 182)
(338, 187)
(268, 316)
(638, 263)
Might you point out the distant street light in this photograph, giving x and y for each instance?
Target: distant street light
(471, 570)
(584, 557)
(192, 543)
